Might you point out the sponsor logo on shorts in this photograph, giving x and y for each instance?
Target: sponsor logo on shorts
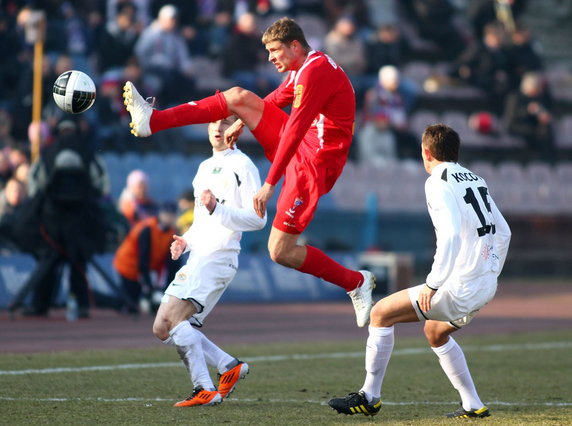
(181, 276)
(291, 225)
(298, 95)
(292, 210)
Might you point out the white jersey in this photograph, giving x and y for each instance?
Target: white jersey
(472, 234)
(234, 180)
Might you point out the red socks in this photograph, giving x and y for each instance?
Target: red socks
(320, 265)
(206, 110)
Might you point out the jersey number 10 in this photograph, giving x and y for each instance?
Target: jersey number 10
(471, 199)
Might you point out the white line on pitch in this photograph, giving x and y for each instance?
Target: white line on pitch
(284, 401)
(294, 357)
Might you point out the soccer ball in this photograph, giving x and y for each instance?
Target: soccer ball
(74, 92)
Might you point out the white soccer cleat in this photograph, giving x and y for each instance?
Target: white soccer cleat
(139, 109)
(362, 298)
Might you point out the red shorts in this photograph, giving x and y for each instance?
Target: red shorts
(305, 181)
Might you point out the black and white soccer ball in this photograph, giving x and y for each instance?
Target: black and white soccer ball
(74, 92)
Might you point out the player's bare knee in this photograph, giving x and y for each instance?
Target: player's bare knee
(274, 253)
(236, 97)
(279, 255)
(378, 315)
(161, 328)
(435, 335)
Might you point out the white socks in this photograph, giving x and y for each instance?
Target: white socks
(189, 346)
(196, 350)
(378, 351)
(454, 365)
(215, 356)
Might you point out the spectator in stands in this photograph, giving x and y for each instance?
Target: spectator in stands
(11, 62)
(21, 174)
(309, 7)
(337, 9)
(109, 107)
(528, 115)
(186, 208)
(145, 250)
(11, 197)
(523, 55)
(244, 56)
(386, 47)
(209, 25)
(485, 65)
(18, 156)
(6, 137)
(139, 8)
(163, 53)
(434, 21)
(348, 51)
(484, 12)
(5, 169)
(117, 41)
(385, 135)
(134, 202)
(69, 33)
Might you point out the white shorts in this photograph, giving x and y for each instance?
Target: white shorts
(456, 303)
(203, 280)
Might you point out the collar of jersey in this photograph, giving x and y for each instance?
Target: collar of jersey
(219, 154)
(439, 168)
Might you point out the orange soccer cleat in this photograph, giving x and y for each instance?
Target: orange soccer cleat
(200, 397)
(228, 380)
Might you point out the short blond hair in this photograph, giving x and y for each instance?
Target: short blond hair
(285, 30)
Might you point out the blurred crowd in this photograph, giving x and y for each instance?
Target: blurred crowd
(156, 44)
(481, 44)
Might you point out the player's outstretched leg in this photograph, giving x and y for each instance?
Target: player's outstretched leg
(200, 397)
(461, 413)
(355, 403)
(139, 109)
(228, 380)
(362, 298)
(145, 120)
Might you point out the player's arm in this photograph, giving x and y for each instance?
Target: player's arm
(242, 217)
(446, 218)
(178, 247)
(502, 235)
(233, 132)
(312, 91)
(283, 95)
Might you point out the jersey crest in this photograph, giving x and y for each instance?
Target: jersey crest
(298, 95)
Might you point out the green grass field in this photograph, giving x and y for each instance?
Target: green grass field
(524, 379)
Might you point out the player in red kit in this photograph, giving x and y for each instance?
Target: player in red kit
(309, 147)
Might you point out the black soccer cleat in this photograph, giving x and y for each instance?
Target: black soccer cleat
(355, 403)
(461, 413)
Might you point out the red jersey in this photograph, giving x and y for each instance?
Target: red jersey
(321, 122)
